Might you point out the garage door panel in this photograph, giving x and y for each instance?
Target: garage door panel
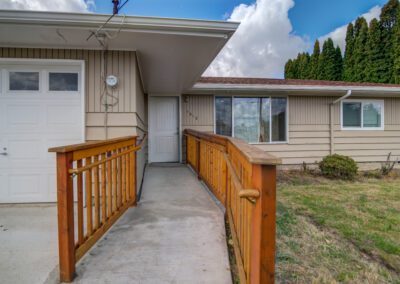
(51, 186)
(62, 115)
(25, 149)
(23, 116)
(3, 187)
(24, 185)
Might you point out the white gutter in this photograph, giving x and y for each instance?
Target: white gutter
(348, 94)
(206, 87)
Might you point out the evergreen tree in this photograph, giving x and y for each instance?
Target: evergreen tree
(375, 71)
(291, 69)
(338, 64)
(303, 66)
(348, 63)
(328, 62)
(360, 55)
(388, 19)
(314, 61)
(396, 47)
(288, 69)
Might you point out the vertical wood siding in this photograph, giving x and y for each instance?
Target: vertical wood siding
(120, 63)
(198, 112)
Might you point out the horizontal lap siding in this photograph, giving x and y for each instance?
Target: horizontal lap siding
(372, 146)
(309, 134)
(124, 117)
(309, 130)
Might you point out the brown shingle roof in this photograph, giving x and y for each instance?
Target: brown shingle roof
(294, 82)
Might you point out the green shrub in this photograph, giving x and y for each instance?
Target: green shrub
(338, 166)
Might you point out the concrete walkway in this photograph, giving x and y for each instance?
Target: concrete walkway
(28, 243)
(176, 234)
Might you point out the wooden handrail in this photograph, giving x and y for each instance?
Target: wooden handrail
(103, 161)
(243, 178)
(106, 171)
(252, 153)
(89, 145)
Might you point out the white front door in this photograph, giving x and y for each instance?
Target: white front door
(164, 129)
(40, 107)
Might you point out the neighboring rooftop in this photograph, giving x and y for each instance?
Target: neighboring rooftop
(291, 82)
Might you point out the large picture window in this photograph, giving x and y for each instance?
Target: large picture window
(252, 119)
(362, 114)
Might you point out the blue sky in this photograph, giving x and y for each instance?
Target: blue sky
(304, 16)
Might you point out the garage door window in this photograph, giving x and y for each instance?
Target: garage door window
(24, 81)
(63, 81)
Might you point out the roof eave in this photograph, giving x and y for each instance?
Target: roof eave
(90, 21)
(210, 88)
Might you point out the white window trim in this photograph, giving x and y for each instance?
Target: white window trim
(270, 129)
(363, 102)
(23, 69)
(47, 79)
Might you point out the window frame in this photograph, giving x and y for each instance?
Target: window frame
(363, 102)
(270, 129)
(66, 71)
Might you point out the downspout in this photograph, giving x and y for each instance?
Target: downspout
(331, 120)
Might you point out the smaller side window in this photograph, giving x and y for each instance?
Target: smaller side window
(23, 81)
(63, 81)
(362, 114)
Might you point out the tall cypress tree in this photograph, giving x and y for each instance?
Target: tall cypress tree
(328, 62)
(338, 64)
(348, 62)
(314, 61)
(396, 47)
(388, 19)
(375, 71)
(303, 60)
(360, 55)
(289, 69)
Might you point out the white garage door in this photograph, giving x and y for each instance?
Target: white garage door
(40, 107)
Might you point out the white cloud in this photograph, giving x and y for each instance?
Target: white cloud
(48, 5)
(263, 42)
(339, 35)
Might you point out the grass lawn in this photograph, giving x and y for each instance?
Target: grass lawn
(336, 231)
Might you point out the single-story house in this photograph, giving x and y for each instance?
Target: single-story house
(66, 78)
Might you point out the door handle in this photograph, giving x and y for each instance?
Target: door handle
(4, 154)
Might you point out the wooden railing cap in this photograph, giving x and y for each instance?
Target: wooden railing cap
(87, 145)
(253, 154)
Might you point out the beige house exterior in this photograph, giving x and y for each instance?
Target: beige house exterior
(310, 134)
(158, 64)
